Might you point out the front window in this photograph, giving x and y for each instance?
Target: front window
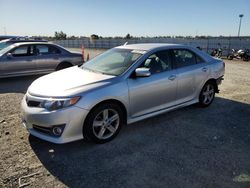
(113, 62)
(21, 51)
(158, 62)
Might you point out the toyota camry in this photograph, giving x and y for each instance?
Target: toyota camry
(121, 86)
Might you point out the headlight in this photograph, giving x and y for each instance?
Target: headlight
(55, 104)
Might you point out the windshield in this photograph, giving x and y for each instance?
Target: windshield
(113, 62)
(6, 49)
(4, 45)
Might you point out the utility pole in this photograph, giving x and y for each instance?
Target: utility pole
(241, 16)
(4, 30)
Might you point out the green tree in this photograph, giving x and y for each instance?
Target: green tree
(60, 35)
(128, 36)
(94, 36)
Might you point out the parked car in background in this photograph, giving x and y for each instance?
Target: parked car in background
(7, 42)
(30, 58)
(3, 37)
(123, 85)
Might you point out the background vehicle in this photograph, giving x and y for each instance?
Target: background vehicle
(35, 58)
(239, 54)
(216, 52)
(7, 42)
(123, 85)
(3, 37)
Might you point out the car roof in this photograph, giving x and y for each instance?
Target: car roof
(149, 46)
(158, 46)
(22, 43)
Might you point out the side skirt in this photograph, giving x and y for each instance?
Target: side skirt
(139, 118)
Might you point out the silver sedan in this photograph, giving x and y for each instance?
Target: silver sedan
(123, 85)
(29, 58)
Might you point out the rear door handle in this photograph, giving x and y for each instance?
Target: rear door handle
(172, 77)
(204, 69)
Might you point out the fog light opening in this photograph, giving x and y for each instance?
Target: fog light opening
(57, 131)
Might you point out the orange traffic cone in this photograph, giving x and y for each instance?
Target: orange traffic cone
(87, 56)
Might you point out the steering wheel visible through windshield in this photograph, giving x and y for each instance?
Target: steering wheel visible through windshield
(113, 62)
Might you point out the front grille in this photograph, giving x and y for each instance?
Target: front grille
(33, 103)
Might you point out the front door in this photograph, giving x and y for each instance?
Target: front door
(156, 92)
(19, 61)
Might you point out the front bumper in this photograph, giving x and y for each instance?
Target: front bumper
(71, 117)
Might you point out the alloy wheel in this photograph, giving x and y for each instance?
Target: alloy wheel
(106, 123)
(208, 94)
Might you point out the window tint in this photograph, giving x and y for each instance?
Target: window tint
(23, 51)
(199, 59)
(183, 58)
(113, 62)
(46, 49)
(158, 62)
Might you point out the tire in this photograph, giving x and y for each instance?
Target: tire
(230, 57)
(207, 94)
(103, 123)
(63, 66)
(245, 58)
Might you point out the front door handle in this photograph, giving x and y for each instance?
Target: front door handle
(172, 77)
(204, 69)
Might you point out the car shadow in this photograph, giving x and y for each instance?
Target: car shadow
(16, 84)
(192, 146)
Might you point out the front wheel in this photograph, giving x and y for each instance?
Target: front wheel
(103, 123)
(230, 57)
(207, 94)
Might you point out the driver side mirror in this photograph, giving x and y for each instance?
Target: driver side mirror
(9, 55)
(142, 72)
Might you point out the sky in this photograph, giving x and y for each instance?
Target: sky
(119, 17)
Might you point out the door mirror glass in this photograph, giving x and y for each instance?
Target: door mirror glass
(142, 72)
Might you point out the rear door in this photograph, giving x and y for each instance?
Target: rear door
(47, 57)
(192, 71)
(20, 61)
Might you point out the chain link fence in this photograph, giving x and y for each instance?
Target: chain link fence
(208, 44)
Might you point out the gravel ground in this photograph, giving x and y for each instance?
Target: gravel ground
(189, 147)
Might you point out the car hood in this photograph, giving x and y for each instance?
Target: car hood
(68, 82)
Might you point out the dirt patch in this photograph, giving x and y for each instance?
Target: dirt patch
(189, 147)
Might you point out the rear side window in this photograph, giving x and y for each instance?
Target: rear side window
(183, 58)
(47, 49)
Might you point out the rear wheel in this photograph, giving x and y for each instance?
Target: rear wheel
(245, 58)
(103, 123)
(207, 94)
